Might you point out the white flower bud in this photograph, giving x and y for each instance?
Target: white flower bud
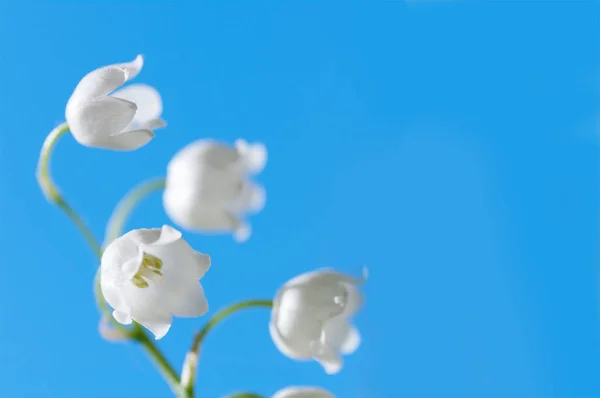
(208, 188)
(123, 120)
(311, 317)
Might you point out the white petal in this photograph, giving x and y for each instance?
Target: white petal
(201, 263)
(295, 323)
(97, 83)
(257, 198)
(284, 346)
(303, 392)
(121, 317)
(204, 152)
(153, 124)
(132, 68)
(253, 156)
(147, 99)
(131, 266)
(158, 324)
(354, 299)
(119, 262)
(341, 335)
(251, 198)
(194, 215)
(330, 360)
(143, 236)
(167, 236)
(351, 342)
(129, 140)
(95, 121)
(192, 304)
(326, 279)
(111, 292)
(242, 232)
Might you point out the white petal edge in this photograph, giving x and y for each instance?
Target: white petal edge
(121, 317)
(167, 236)
(330, 360)
(159, 325)
(129, 140)
(242, 232)
(282, 346)
(202, 263)
(254, 155)
(97, 83)
(351, 342)
(132, 68)
(93, 122)
(193, 305)
(147, 99)
(303, 392)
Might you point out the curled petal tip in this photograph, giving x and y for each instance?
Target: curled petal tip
(242, 233)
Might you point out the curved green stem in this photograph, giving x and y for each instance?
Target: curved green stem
(53, 195)
(127, 204)
(190, 367)
(51, 190)
(161, 363)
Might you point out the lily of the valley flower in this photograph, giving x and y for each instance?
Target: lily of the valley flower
(123, 120)
(150, 275)
(208, 188)
(311, 317)
(303, 392)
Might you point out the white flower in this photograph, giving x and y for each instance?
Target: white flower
(122, 121)
(303, 392)
(311, 317)
(208, 188)
(149, 275)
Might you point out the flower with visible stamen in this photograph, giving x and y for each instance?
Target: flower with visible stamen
(151, 275)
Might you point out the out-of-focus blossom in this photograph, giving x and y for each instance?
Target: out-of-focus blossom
(208, 187)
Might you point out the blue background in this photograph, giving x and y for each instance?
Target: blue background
(450, 146)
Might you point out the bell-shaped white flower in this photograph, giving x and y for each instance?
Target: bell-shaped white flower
(123, 120)
(150, 275)
(303, 392)
(208, 187)
(311, 315)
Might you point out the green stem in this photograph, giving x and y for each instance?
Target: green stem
(53, 195)
(161, 363)
(220, 316)
(51, 191)
(127, 204)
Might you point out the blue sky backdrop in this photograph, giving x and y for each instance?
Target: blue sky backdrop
(450, 146)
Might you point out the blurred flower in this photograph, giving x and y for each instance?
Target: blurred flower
(303, 392)
(122, 121)
(110, 333)
(208, 188)
(149, 275)
(311, 317)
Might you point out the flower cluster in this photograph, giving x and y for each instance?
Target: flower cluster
(149, 276)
